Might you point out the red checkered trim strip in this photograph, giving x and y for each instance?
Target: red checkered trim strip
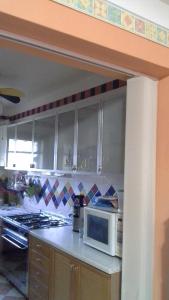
(111, 85)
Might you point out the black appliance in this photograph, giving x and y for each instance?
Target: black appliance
(78, 213)
(14, 242)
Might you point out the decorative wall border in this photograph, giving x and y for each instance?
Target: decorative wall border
(115, 15)
(103, 88)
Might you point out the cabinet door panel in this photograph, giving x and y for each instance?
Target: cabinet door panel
(11, 146)
(62, 277)
(24, 145)
(93, 285)
(3, 143)
(113, 136)
(43, 146)
(87, 139)
(65, 140)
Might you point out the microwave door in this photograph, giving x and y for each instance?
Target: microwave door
(99, 231)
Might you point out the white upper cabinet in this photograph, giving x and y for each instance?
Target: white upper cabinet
(88, 139)
(65, 149)
(43, 143)
(87, 143)
(19, 146)
(23, 155)
(113, 136)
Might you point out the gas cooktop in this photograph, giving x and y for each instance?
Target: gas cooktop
(36, 220)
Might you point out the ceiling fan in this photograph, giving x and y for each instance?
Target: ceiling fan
(11, 94)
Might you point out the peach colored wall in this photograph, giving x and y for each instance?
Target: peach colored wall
(161, 271)
(53, 23)
(60, 26)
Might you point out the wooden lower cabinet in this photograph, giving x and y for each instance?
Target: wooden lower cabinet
(40, 270)
(95, 284)
(66, 278)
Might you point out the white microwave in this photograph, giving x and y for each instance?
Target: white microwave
(103, 230)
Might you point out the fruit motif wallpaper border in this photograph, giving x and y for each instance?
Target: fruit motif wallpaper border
(111, 13)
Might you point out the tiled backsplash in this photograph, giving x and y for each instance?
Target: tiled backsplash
(57, 194)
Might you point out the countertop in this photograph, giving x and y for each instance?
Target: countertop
(64, 239)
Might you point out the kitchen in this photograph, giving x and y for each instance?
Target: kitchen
(77, 39)
(47, 162)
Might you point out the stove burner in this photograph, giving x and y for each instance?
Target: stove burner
(38, 220)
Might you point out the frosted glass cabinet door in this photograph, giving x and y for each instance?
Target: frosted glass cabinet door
(113, 136)
(23, 154)
(43, 146)
(65, 140)
(87, 139)
(11, 159)
(3, 143)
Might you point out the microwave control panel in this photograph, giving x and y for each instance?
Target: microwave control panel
(119, 223)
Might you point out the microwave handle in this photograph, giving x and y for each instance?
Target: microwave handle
(13, 242)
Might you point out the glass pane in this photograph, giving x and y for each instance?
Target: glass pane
(23, 160)
(43, 148)
(87, 138)
(113, 136)
(98, 229)
(65, 140)
(11, 146)
(11, 138)
(11, 159)
(24, 138)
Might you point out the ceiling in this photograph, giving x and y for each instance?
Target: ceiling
(37, 77)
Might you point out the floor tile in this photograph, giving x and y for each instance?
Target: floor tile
(8, 291)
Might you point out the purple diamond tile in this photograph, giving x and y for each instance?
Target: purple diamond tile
(98, 194)
(73, 197)
(110, 191)
(48, 198)
(44, 187)
(57, 201)
(94, 189)
(54, 198)
(56, 185)
(64, 200)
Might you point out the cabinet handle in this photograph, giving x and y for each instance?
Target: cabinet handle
(72, 267)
